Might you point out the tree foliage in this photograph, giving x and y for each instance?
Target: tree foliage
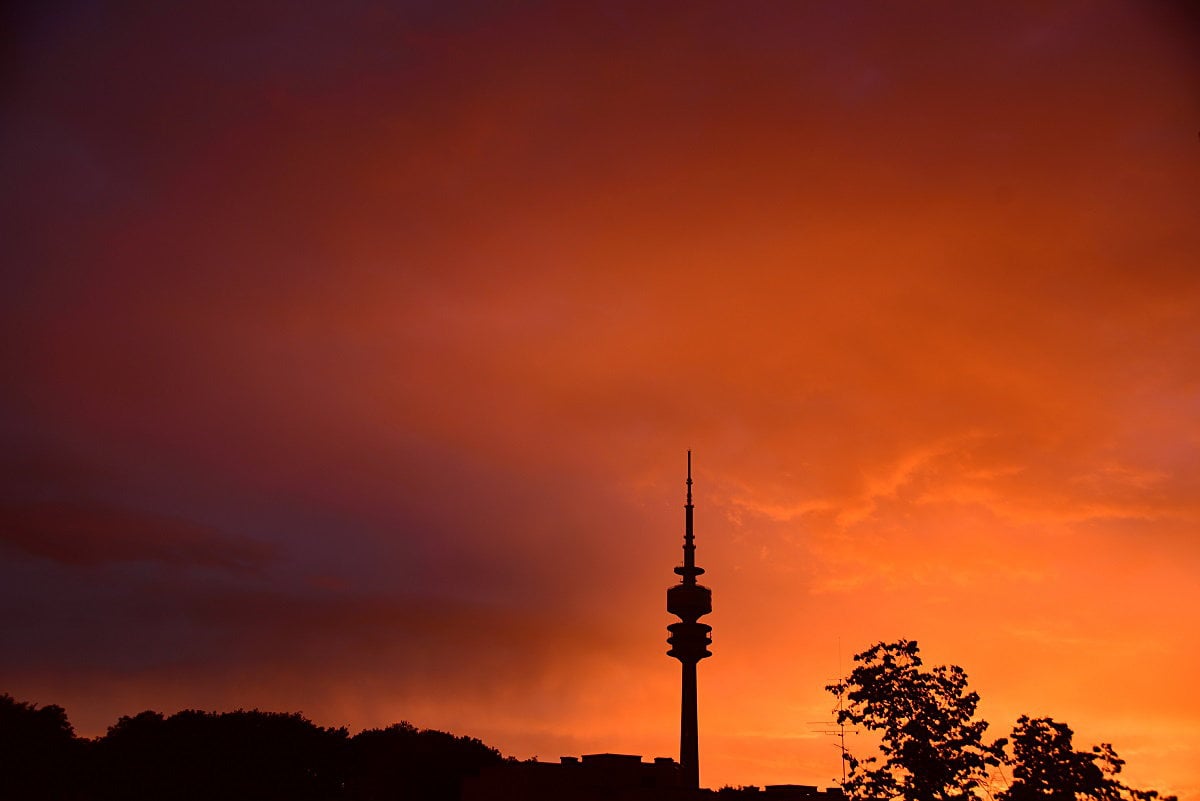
(205, 755)
(39, 754)
(403, 761)
(932, 747)
(235, 756)
(1046, 767)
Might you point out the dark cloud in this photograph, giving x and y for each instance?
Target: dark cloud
(85, 534)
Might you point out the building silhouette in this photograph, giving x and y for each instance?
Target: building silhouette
(592, 777)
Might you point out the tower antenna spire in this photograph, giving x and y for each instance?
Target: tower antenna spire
(690, 571)
(689, 479)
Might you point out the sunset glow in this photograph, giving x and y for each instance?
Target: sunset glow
(352, 355)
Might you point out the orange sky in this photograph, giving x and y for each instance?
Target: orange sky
(351, 358)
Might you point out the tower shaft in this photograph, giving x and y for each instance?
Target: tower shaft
(689, 730)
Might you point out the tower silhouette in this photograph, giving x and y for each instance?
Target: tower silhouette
(689, 640)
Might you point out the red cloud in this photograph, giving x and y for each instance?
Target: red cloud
(92, 534)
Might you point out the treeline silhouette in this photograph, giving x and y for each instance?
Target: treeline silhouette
(204, 756)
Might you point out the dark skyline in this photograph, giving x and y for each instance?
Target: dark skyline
(348, 354)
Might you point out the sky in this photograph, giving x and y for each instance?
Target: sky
(351, 353)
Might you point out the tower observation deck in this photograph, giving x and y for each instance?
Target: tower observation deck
(689, 640)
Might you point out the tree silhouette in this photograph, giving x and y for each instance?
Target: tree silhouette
(1046, 767)
(403, 762)
(264, 756)
(40, 756)
(933, 749)
(199, 756)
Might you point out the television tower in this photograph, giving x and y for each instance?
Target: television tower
(689, 640)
